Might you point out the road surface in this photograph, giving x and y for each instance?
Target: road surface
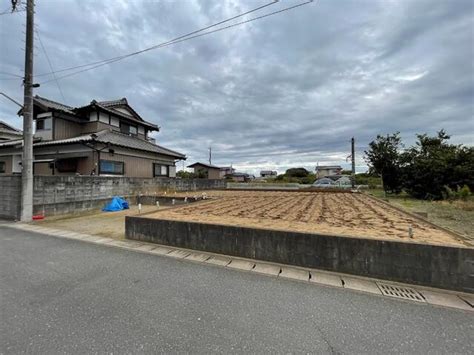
(60, 295)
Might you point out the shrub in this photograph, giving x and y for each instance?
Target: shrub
(464, 192)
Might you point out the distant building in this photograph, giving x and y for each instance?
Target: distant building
(8, 132)
(268, 173)
(328, 170)
(240, 177)
(208, 170)
(226, 170)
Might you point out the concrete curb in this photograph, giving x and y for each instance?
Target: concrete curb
(431, 296)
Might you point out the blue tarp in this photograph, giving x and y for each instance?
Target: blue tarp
(117, 204)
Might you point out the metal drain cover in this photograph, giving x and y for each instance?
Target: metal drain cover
(403, 292)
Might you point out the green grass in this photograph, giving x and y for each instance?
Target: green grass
(455, 215)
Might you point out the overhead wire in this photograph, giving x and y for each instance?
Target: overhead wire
(175, 41)
(10, 12)
(112, 59)
(50, 64)
(96, 64)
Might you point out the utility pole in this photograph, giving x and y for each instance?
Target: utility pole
(353, 162)
(210, 155)
(27, 162)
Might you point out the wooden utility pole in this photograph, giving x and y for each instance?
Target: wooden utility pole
(353, 162)
(27, 162)
(210, 155)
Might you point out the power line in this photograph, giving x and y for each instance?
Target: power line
(50, 65)
(165, 44)
(11, 74)
(113, 59)
(11, 12)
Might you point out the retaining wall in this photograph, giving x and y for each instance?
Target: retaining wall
(429, 265)
(68, 194)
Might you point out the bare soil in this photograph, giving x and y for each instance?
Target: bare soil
(344, 214)
(106, 224)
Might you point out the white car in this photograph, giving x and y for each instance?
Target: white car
(323, 183)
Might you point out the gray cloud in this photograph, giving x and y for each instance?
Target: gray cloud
(290, 90)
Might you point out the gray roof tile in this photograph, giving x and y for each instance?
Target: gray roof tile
(118, 139)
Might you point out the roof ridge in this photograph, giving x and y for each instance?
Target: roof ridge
(54, 102)
(123, 100)
(9, 126)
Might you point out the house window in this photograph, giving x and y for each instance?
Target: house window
(127, 128)
(141, 130)
(111, 167)
(66, 165)
(2, 167)
(44, 124)
(160, 170)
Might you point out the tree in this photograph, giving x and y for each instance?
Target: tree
(383, 158)
(297, 172)
(185, 174)
(433, 165)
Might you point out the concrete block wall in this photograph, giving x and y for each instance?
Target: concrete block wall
(68, 194)
(10, 197)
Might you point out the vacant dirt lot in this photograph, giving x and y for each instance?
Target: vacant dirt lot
(106, 224)
(344, 214)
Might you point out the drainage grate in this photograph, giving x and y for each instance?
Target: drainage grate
(406, 293)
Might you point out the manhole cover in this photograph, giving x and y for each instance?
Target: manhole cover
(406, 293)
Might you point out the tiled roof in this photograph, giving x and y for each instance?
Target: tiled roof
(53, 104)
(105, 105)
(122, 101)
(8, 127)
(9, 143)
(210, 166)
(136, 118)
(117, 139)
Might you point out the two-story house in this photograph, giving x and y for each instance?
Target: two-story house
(101, 138)
(327, 170)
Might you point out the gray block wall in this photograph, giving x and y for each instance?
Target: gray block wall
(68, 194)
(10, 197)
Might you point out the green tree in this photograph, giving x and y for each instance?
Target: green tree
(297, 172)
(433, 166)
(383, 158)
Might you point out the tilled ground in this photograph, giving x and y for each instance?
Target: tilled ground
(344, 214)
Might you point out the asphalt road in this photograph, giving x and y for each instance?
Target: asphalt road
(60, 295)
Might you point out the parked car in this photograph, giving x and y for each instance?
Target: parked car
(323, 183)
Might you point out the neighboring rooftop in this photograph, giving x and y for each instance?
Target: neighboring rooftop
(107, 136)
(322, 167)
(268, 172)
(50, 104)
(209, 166)
(5, 126)
(112, 106)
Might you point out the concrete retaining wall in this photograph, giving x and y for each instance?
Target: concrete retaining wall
(68, 194)
(429, 265)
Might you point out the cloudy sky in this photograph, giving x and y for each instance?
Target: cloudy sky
(285, 91)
